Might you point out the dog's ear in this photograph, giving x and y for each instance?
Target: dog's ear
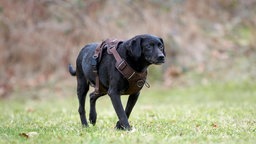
(134, 47)
(163, 45)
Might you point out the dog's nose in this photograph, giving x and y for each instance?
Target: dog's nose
(160, 58)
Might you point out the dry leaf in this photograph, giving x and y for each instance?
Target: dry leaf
(29, 134)
(214, 125)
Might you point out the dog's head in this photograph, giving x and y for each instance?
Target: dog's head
(149, 47)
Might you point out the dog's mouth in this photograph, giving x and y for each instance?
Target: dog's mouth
(159, 62)
(156, 61)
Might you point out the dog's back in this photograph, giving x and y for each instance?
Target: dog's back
(83, 64)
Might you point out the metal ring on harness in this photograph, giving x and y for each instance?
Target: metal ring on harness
(140, 83)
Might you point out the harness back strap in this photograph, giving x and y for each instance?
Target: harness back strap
(95, 60)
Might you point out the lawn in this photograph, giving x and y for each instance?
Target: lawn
(212, 113)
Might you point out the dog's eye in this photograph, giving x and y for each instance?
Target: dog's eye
(148, 48)
(152, 44)
(160, 45)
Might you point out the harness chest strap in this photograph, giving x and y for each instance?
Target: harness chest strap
(136, 80)
(122, 65)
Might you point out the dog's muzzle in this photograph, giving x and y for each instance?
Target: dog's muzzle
(160, 59)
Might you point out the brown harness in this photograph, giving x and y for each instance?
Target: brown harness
(136, 80)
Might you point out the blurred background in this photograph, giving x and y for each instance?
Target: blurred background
(205, 40)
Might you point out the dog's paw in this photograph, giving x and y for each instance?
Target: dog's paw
(93, 118)
(119, 126)
(85, 125)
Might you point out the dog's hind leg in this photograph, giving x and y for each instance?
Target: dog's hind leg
(82, 89)
(93, 113)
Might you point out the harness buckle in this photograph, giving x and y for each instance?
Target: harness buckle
(121, 65)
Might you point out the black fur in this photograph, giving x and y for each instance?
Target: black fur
(139, 52)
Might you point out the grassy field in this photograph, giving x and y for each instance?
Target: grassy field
(214, 113)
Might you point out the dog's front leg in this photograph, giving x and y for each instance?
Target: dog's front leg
(130, 103)
(117, 104)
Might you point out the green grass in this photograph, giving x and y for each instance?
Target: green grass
(214, 113)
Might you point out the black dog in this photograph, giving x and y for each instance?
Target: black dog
(139, 52)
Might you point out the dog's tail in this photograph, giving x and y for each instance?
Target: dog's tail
(71, 70)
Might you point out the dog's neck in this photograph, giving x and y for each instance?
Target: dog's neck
(139, 65)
